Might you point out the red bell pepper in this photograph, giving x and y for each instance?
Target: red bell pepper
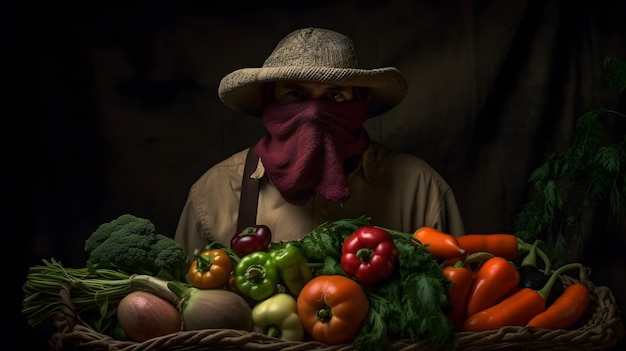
(251, 239)
(369, 255)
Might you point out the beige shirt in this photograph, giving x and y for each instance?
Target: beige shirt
(397, 190)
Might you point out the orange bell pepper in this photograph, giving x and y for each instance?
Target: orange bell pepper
(210, 269)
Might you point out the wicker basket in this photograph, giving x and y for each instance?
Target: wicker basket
(600, 328)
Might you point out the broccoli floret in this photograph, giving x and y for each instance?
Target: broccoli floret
(133, 245)
(167, 253)
(106, 229)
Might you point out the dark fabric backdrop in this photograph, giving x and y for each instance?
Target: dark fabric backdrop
(112, 108)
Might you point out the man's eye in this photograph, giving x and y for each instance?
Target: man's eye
(290, 96)
(335, 96)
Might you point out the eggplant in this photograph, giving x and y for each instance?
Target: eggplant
(534, 278)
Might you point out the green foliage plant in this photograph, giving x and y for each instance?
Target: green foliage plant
(589, 171)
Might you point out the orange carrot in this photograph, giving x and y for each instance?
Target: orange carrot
(565, 310)
(441, 245)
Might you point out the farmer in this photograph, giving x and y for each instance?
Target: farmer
(316, 163)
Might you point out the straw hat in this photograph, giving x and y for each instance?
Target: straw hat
(313, 54)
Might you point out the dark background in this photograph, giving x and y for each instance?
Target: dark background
(112, 108)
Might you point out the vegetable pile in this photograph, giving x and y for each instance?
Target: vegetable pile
(408, 304)
(345, 282)
(490, 291)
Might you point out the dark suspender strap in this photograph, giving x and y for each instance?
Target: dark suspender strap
(249, 200)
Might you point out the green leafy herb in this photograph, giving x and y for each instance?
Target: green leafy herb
(327, 239)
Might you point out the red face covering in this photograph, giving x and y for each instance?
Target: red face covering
(308, 143)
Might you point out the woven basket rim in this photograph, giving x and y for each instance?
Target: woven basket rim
(602, 328)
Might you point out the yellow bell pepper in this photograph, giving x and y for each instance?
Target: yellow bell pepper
(276, 316)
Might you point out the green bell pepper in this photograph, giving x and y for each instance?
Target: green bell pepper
(292, 267)
(256, 275)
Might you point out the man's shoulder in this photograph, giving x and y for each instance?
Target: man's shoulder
(229, 167)
(236, 159)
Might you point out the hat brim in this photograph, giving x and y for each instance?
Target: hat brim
(241, 89)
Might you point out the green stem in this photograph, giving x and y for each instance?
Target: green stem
(255, 273)
(545, 291)
(324, 314)
(364, 254)
(273, 331)
(546, 261)
(474, 257)
(531, 258)
(204, 262)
